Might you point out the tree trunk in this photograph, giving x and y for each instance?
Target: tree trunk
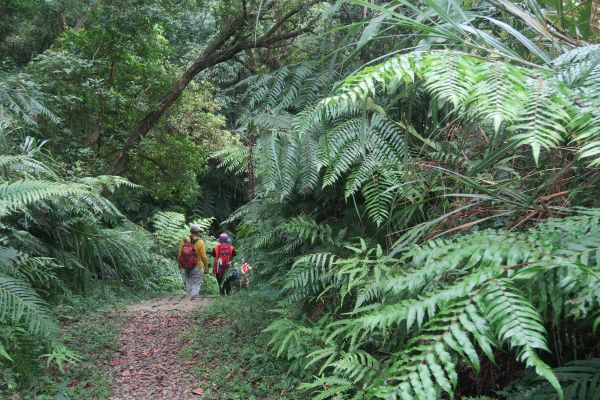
(95, 136)
(217, 52)
(251, 65)
(209, 57)
(250, 167)
(594, 24)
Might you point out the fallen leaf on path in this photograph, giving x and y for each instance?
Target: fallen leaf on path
(147, 361)
(149, 353)
(198, 391)
(142, 373)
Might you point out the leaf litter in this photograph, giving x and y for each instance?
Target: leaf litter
(147, 364)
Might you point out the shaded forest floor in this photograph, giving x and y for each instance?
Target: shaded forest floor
(147, 364)
(211, 348)
(169, 348)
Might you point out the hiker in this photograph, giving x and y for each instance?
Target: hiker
(193, 261)
(223, 254)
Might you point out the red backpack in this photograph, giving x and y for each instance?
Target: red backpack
(223, 253)
(187, 257)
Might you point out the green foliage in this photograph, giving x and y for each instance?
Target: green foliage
(233, 159)
(21, 101)
(93, 330)
(18, 302)
(535, 103)
(61, 356)
(578, 378)
(58, 235)
(423, 143)
(450, 301)
(178, 152)
(410, 235)
(178, 183)
(170, 228)
(230, 351)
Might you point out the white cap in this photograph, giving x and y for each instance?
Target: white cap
(194, 228)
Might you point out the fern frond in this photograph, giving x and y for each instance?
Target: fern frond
(518, 323)
(356, 366)
(106, 182)
(20, 101)
(428, 365)
(19, 302)
(345, 149)
(328, 387)
(450, 77)
(379, 196)
(543, 119)
(309, 229)
(233, 159)
(498, 96)
(23, 166)
(579, 379)
(18, 194)
(538, 109)
(310, 274)
(40, 272)
(170, 227)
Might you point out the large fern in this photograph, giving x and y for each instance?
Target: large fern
(21, 101)
(537, 109)
(171, 227)
(579, 379)
(19, 303)
(450, 301)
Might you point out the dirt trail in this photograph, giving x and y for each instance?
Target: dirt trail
(147, 365)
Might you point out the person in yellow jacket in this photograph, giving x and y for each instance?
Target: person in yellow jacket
(193, 276)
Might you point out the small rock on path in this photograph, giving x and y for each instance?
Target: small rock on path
(147, 365)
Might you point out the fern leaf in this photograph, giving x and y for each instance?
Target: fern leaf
(544, 118)
(518, 323)
(19, 302)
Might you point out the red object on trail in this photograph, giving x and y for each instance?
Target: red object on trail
(198, 391)
(149, 352)
(245, 268)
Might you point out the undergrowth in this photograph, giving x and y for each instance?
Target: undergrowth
(90, 331)
(229, 352)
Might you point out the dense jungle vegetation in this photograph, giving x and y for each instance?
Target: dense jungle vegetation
(417, 183)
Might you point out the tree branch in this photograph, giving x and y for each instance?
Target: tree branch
(223, 47)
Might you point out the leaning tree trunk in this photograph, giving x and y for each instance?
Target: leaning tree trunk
(212, 55)
(223, 47)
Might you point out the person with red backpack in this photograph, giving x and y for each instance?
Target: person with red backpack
(192, 260)
(223, 254)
